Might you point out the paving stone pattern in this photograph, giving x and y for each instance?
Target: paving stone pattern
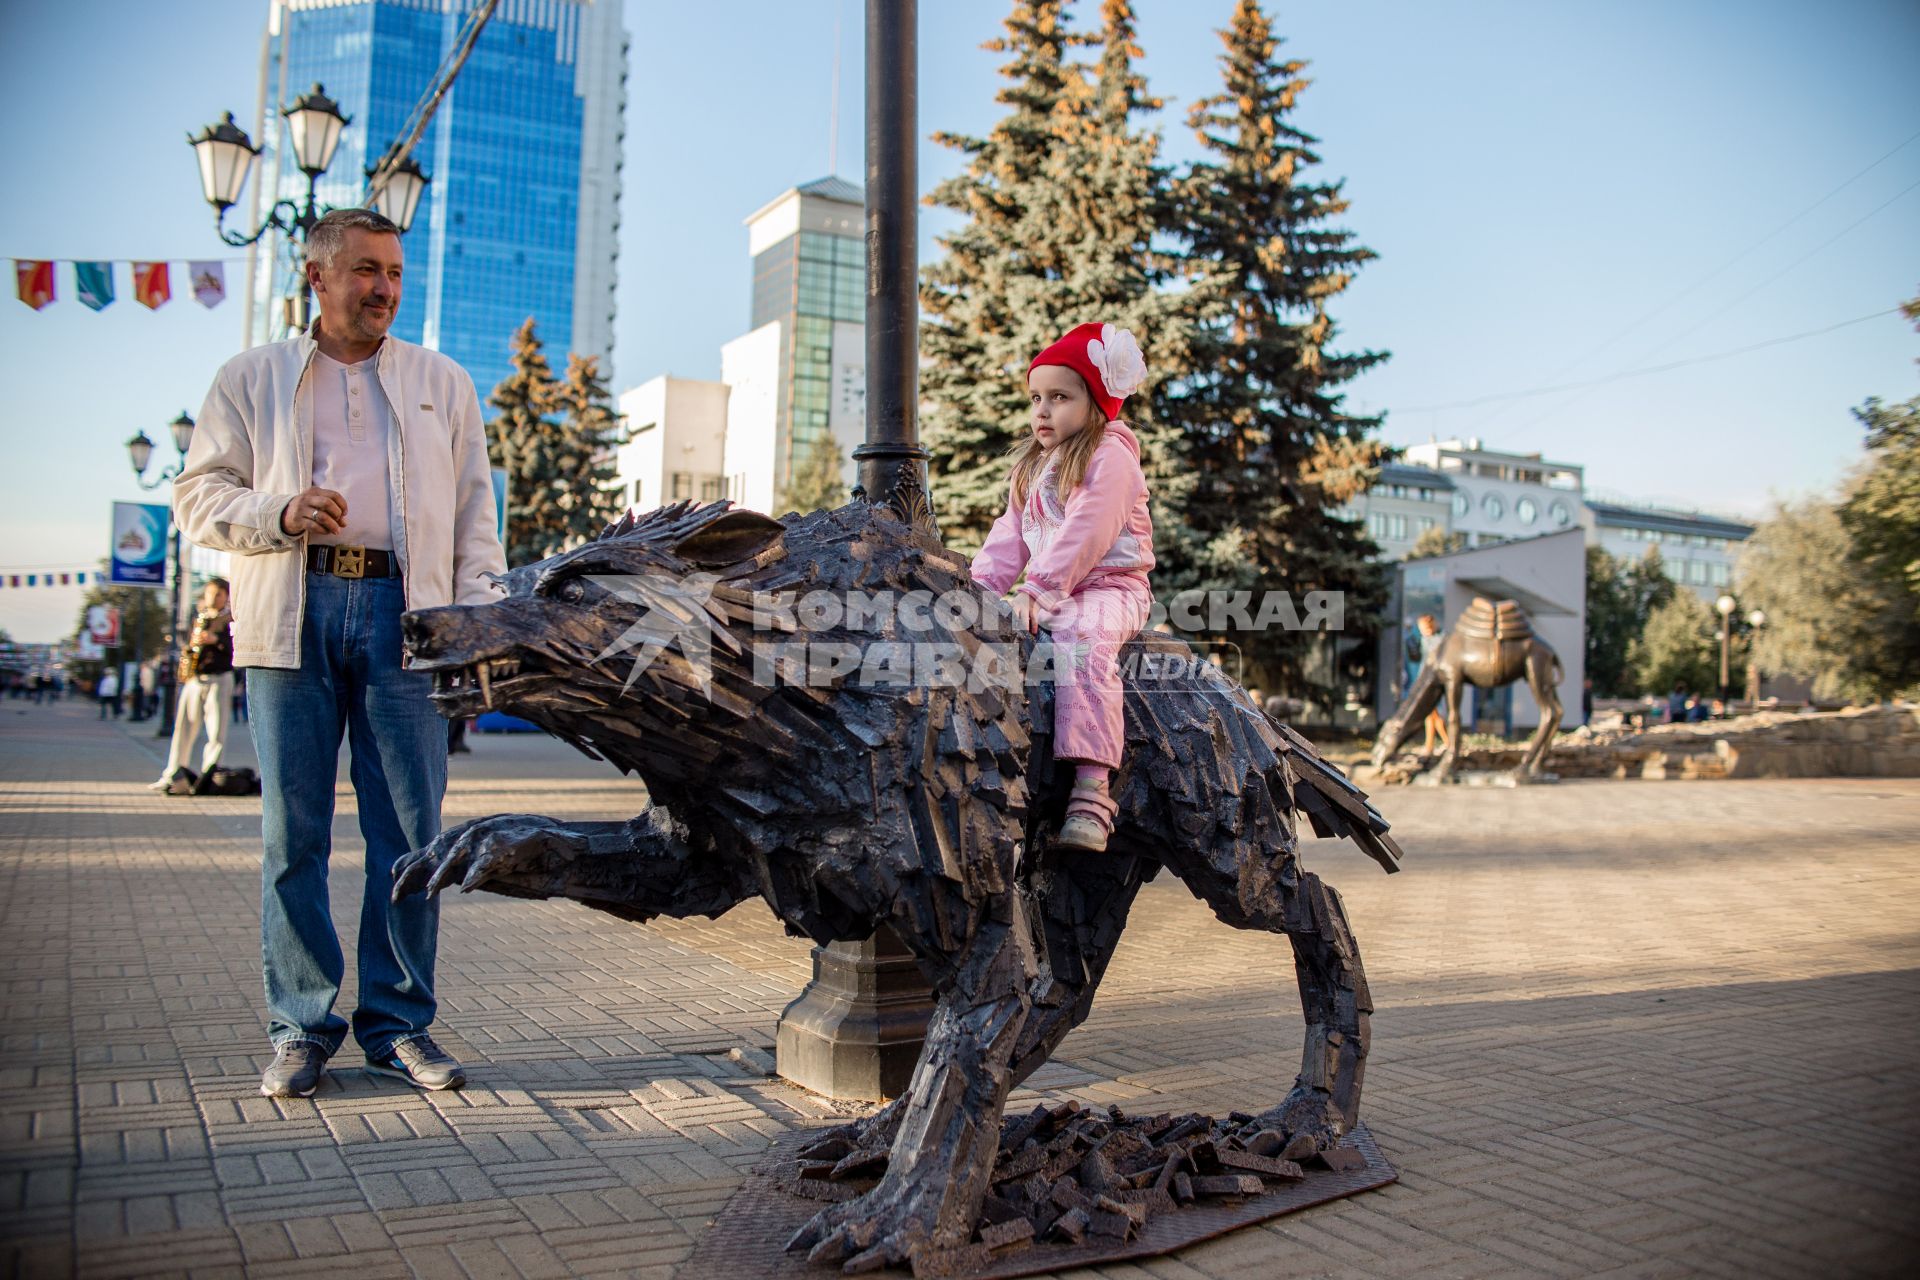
(1624, 1028)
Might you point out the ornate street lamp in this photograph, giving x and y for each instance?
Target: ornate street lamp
(397, 192)
(315, 124)
(1756, 620)
(140, 453)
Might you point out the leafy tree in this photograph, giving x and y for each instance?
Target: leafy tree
(1436, 541)
(1621, 597)
(554, 440)
(1263, 429)
(1680, 646)
(815, 483)
(143, 616)
(1882, 511)
(1834, 617)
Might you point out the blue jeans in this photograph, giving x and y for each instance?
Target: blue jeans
(350, 680)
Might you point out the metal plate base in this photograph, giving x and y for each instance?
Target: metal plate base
(747, 1236)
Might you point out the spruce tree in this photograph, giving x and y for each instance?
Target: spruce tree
(815, 483)
(590, 426)
(1270, 448)
(1062, 201)
(554, 439)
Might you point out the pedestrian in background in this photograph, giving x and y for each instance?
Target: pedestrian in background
(206, 687)
(108, 691)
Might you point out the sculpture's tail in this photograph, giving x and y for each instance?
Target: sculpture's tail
(1333, 805)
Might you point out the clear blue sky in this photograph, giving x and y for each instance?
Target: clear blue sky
(1543, 183)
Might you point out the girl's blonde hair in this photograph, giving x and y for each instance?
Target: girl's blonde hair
(1076, 451)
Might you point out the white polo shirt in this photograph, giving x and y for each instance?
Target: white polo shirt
(352, 427)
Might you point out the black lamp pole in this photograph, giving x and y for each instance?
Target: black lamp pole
(892, 464)
(857, 1028)
(140, 451)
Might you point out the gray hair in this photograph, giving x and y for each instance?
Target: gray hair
(329, 235)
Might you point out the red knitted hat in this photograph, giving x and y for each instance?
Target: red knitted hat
(1108, 359)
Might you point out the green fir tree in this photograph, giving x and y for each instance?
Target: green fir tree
(555, 441)
(1264, 432)
(1062, 199)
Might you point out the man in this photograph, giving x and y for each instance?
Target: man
(347, 472)
(206, 687)
(108, 691)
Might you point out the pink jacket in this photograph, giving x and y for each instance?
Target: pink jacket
(1102, 531)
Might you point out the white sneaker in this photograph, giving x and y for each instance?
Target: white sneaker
(161, 785)
(1080, 832)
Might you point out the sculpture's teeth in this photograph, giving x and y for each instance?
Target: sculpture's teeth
(480, 669)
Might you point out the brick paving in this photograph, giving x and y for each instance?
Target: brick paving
(1634, 1029)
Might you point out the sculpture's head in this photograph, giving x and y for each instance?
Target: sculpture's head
(625, 641)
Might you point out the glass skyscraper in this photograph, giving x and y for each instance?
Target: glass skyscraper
(523, 213)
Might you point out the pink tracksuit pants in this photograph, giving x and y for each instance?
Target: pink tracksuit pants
(1088, 629)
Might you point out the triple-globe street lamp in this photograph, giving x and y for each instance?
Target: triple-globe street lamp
(314, 126)
(140, 453)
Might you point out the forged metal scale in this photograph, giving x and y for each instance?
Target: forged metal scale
(845, 804)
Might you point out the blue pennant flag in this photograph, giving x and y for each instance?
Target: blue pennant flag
(93, 283)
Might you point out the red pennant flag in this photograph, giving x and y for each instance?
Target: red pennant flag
(150, 285)
(64, 578)
(34, 277)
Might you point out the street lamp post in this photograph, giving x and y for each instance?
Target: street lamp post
(140, 453)
(856, 1031)
(1756, 620)
(314, 125)
(1725, 605)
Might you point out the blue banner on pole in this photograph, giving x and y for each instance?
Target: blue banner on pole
(500, 503)
(139, 544)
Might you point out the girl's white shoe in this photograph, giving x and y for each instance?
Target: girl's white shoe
(1081, 832)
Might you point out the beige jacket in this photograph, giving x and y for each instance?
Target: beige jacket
(253, 451)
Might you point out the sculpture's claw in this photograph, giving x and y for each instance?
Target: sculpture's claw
(410, 873)
(809, 1235)
(881, 1255)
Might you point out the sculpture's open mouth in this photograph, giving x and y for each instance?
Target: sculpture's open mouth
(483, 684)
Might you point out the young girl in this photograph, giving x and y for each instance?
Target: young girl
(1076, 521)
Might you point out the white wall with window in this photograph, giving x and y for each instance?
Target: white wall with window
(675, 449)
(1697, 550)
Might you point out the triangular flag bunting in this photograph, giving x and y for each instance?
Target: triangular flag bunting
(35, 280)
(151, 286)
(93, 283)
(209, 282)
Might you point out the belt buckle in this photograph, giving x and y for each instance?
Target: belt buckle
(350, 562)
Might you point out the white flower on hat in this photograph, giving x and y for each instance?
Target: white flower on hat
(1117, 356)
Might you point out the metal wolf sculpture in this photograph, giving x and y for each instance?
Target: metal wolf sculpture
(1492, 645)
(923, 806)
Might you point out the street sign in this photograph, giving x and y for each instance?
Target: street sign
(139, 544)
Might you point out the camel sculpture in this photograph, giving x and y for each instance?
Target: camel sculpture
(1492, 645)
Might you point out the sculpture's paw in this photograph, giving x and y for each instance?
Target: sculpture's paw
(471, 853)
(1308, 1119)
(883, 1228)
(874, 1130)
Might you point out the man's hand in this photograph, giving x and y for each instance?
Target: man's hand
(314, 510)
(1026, 612)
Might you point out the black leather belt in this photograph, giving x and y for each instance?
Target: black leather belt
(353, 562)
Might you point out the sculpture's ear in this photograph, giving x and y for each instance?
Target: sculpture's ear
(729, 539)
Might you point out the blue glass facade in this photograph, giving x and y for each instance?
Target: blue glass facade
(495, 240)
